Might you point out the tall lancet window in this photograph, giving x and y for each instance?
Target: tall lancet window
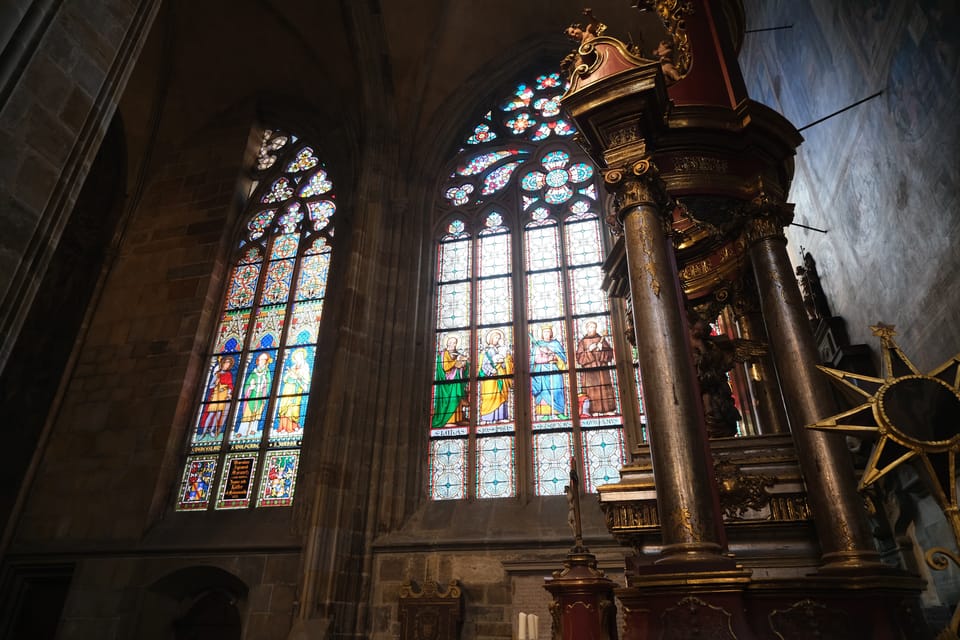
(525, 373)
(244, 441)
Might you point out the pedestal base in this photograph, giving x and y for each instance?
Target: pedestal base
(730, 605)
(583, 606)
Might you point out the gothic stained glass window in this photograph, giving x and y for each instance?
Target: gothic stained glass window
(526, 373)
(244, 440)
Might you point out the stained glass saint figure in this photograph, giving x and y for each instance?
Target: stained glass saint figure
(548, 358)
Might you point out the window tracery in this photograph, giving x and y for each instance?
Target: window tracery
(244, 442)
(526, 364)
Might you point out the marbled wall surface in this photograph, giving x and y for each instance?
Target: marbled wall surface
(884, 177)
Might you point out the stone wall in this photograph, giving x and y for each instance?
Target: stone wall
(136, 369)
(496, 584)
(67, 68)
(113, 598)
(882, 178)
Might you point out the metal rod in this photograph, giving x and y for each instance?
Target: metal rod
(803, 226)
(835, 113)
(786, 26)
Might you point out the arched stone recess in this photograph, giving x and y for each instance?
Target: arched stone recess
(193, 602)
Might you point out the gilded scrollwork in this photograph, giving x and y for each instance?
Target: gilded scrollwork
(692, 617)
(766, 218)
(648, 265)
(637, 184)
(740, 492)
(761, 228)
(556, 626)
(673, 14)
(588, 56)
(430, 589)
(809, 619)
(685, 527)
(700, 164)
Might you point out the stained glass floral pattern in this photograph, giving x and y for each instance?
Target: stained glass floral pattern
(243, 285)
(259, 223)
(558, 127)
(316, 185)
(520, 99)
(498, 179)
(557, 178)
(521, 123)
(459, 195)
(482, 133)
(549, 81)
(272, 142)
(520, 195)
(280, 191)
(305, 160)
(252, 408)
(320, 212)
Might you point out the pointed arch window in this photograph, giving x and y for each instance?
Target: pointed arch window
(244, 442)
(526, 363)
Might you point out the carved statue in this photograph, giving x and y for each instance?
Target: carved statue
(572, 492)
(664, 55)
(581, 34)
(814, 298)
(713, 357)
(589, 31)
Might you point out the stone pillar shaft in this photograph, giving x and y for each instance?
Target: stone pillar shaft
(687, 502)
(837, 509)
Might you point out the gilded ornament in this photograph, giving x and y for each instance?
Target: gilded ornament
(623, 135)
(683, 525)
(809, 619)
(588, 56)
(740, 492)
(788, 508)
(673, 14)
(694, 618)
(926, 433)
(761, 228)
(649, 266)
(636, 185)
(430, 589)
(700, 164)
(556, 626)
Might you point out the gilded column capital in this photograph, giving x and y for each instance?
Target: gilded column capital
(766, 218)
(633, 185)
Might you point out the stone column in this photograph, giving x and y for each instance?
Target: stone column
(828, 472)
(687, 499)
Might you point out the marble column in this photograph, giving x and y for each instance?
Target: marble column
(687, 499)
(838, 512)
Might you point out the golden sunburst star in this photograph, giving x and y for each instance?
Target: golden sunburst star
(915, 415)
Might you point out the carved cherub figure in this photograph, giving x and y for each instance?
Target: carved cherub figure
(664, 54)
(589, 31)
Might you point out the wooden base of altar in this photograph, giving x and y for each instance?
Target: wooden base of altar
(674, 604)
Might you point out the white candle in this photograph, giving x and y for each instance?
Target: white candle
(522, 627)
(533, 629)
